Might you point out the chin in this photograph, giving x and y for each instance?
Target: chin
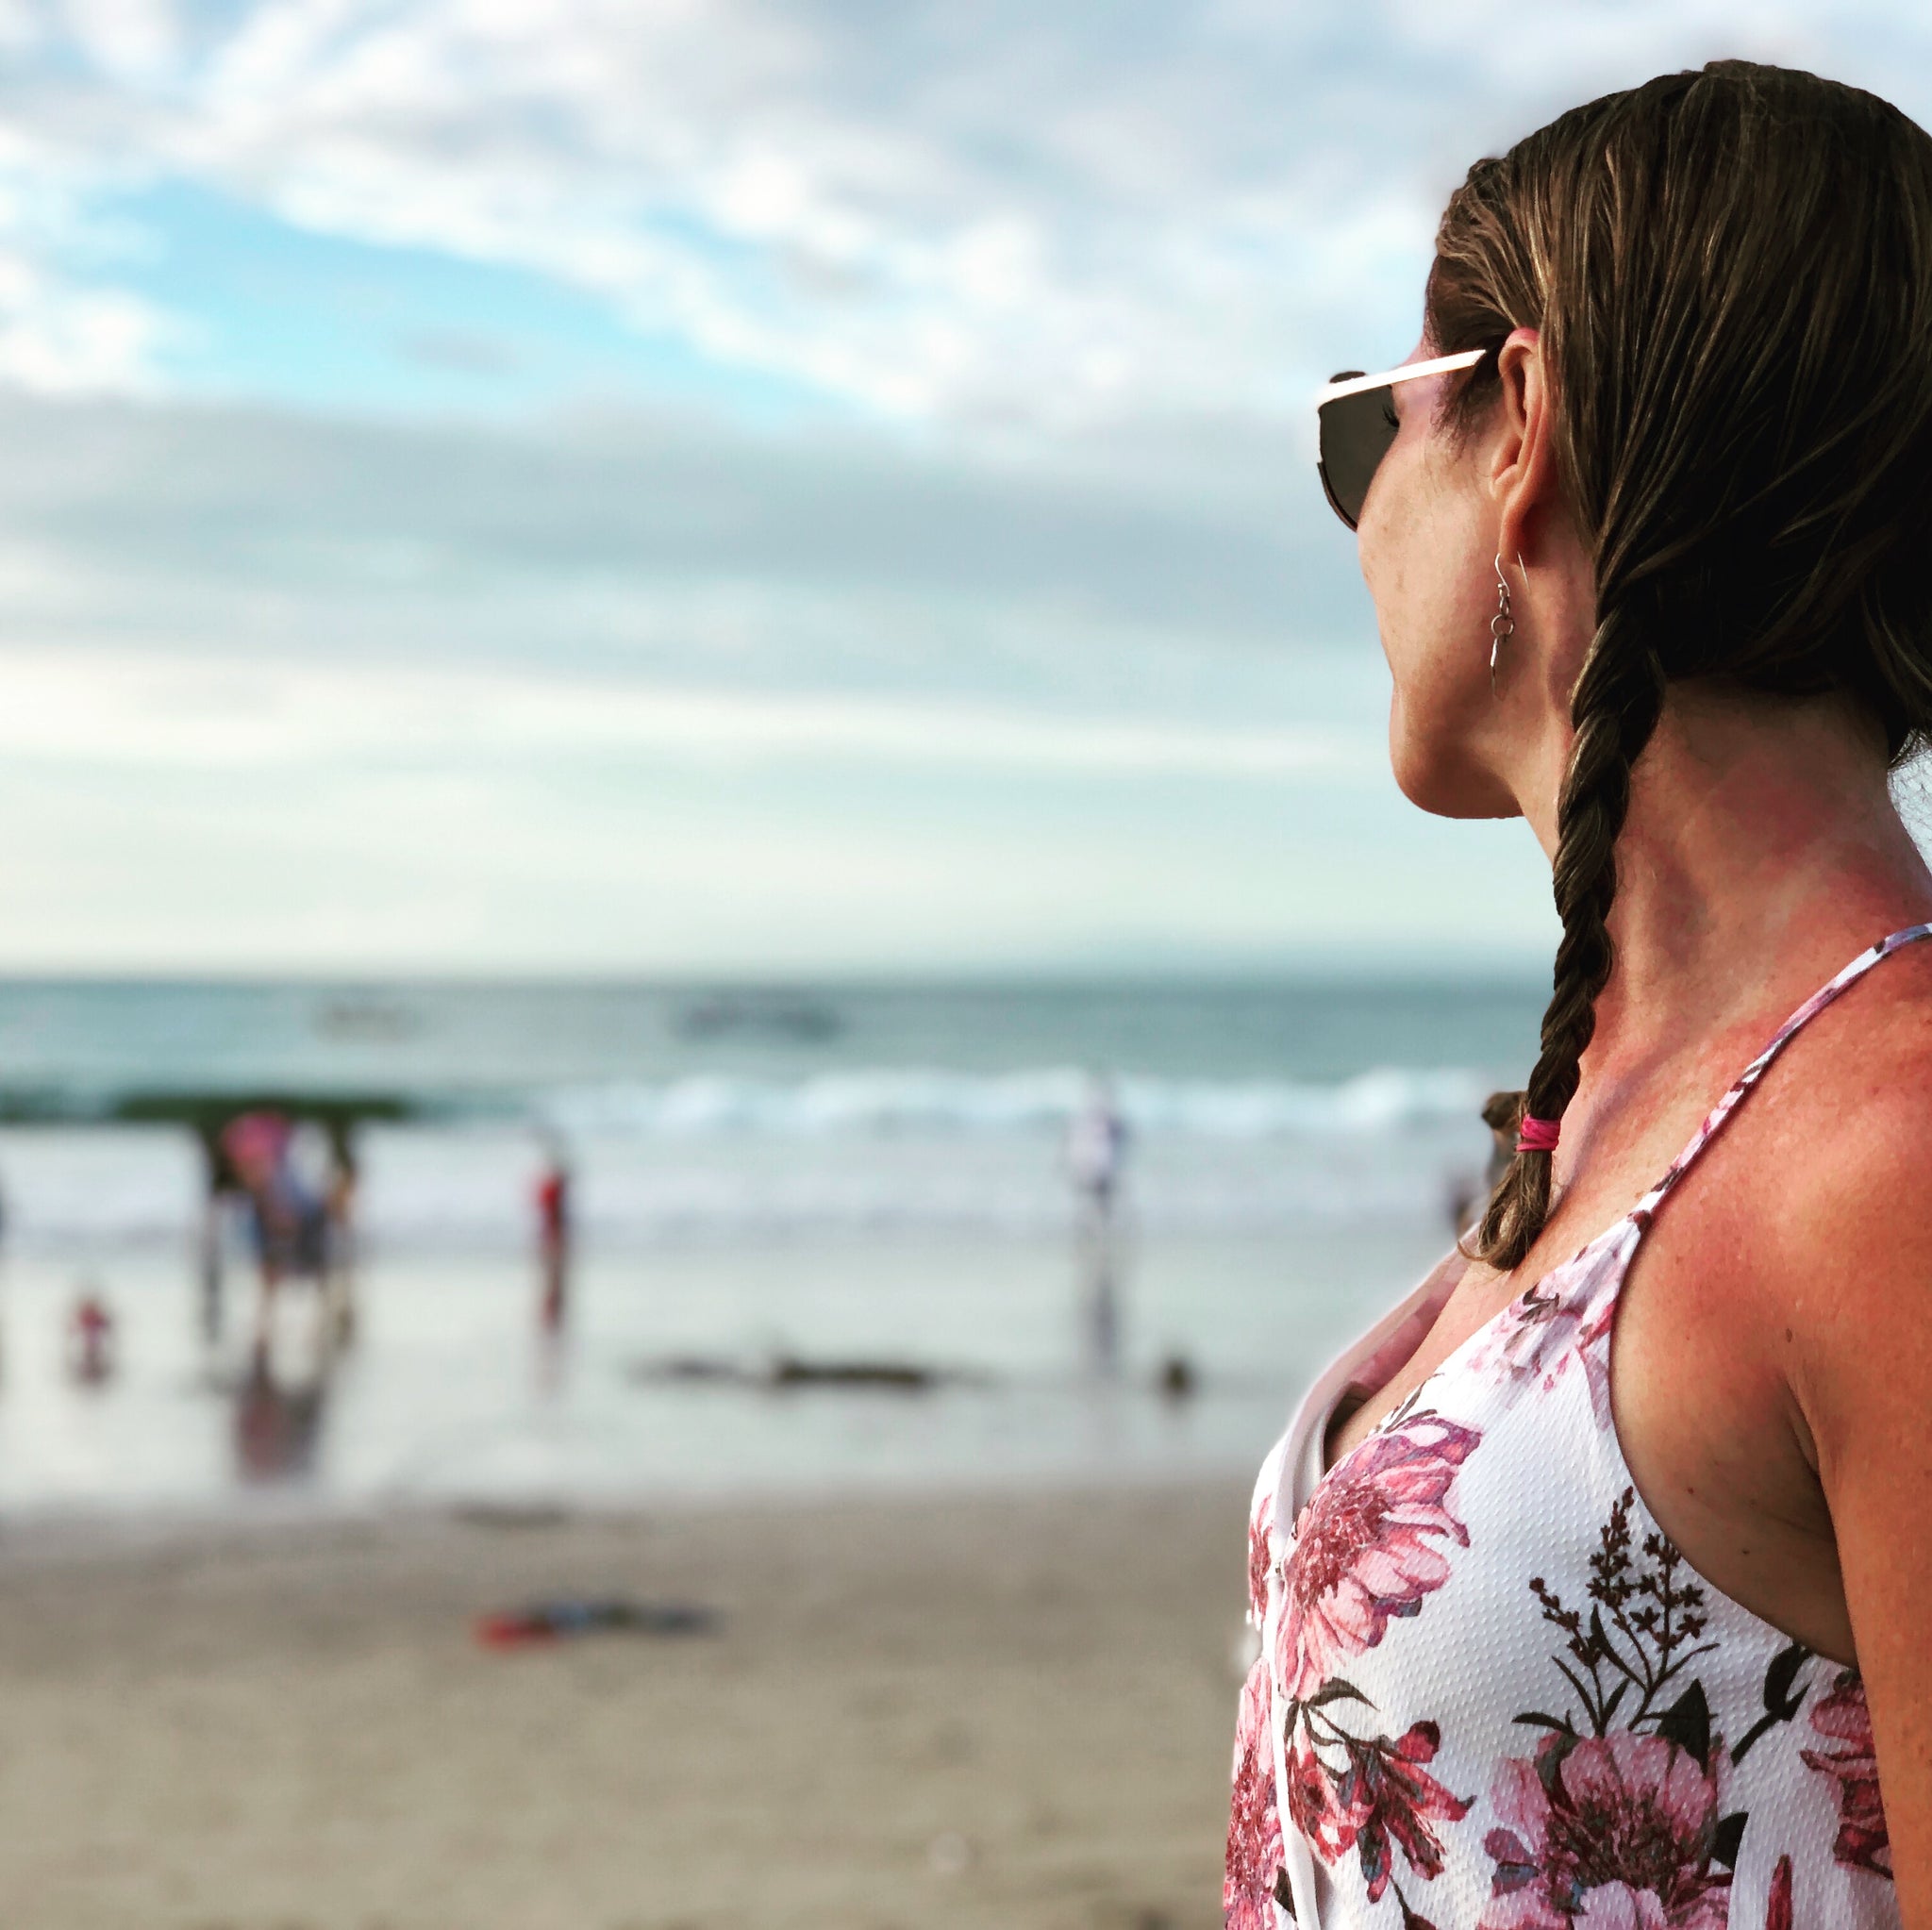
(1443, 780)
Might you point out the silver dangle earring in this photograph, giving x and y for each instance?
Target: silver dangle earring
(1502, 626)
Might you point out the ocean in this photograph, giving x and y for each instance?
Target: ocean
(766, 1181)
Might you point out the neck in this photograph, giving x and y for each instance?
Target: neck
(1761, 830)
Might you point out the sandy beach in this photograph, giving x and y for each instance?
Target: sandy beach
(979, 1711)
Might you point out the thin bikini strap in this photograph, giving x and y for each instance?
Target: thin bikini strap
(1715, 1118)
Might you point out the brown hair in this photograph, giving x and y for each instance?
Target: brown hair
(1731, 273)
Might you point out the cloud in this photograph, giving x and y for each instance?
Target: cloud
(134, 711)
(986, 611)
(212, 817)
(57, 339)
(65, 332)
(283, 693)
(998, 218)
(290, 530)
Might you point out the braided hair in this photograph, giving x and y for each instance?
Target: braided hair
(1731, 274)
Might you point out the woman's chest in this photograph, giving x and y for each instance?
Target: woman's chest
(1472, 1297)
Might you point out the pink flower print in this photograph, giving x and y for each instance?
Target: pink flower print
(1614, 1832)
(1315, 1804)
(1617, 1907)
(1777, 1908)
(1565, 1317)
(1845, 1717)
(1261, 1555)
(1366, 1548)
(1254, 1827)
(1396, 1798)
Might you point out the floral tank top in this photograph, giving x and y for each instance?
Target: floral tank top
(1492, 1694)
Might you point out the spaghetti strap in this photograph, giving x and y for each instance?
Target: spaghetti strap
(1714, 1120)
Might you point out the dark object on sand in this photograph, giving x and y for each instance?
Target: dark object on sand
(787, 1370)
(902, 1374)
(565, 1618)
(1178, 1380)
(688, 1367)
(510, 1514)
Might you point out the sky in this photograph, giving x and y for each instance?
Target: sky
(700, 487)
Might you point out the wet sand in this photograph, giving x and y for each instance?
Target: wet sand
(966, 1711)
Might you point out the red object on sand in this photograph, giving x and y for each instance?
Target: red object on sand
(549, 1621)
(515, 1631)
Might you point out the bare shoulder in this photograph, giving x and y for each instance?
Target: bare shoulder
(1844, 1302)
(1837, 1191)
(1849, 1114)
(1798, 1268)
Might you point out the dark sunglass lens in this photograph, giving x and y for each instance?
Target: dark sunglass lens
(1357, 431)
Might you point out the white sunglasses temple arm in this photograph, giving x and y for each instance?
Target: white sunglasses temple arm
(1408, 371)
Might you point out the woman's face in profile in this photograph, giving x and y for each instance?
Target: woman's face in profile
(1427, 541)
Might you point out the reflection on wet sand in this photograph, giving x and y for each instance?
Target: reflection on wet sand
(277, 1422)
(281, 1395)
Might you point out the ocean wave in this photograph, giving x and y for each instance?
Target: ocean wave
(896, 1101)
(719, 1157)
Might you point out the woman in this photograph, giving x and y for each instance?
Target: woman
(1552, 1636)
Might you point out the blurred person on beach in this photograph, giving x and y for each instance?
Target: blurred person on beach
(1499, 1113)
(223, 1196)
(1094, 1154)
(554, 1223)
(256, 1146)
(91, 1352)
(287, 1178)
(307, 1184)
(1555, 1631)
(341, 1184)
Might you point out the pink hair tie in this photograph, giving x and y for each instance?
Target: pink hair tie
(1538, 1135)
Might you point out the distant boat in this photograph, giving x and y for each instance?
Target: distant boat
(368, 1020)
(803, 1019)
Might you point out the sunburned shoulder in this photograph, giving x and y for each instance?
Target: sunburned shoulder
(1855, 1128)
(1830, 1207)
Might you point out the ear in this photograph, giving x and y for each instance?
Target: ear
(1523, 457)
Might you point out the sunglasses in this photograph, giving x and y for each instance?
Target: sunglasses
(1358, 423)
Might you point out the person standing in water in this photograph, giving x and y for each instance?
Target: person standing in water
(553, 1225)
(1096, 1151)
(1591, 1582)
(91, 1351)
(1094, 1156)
